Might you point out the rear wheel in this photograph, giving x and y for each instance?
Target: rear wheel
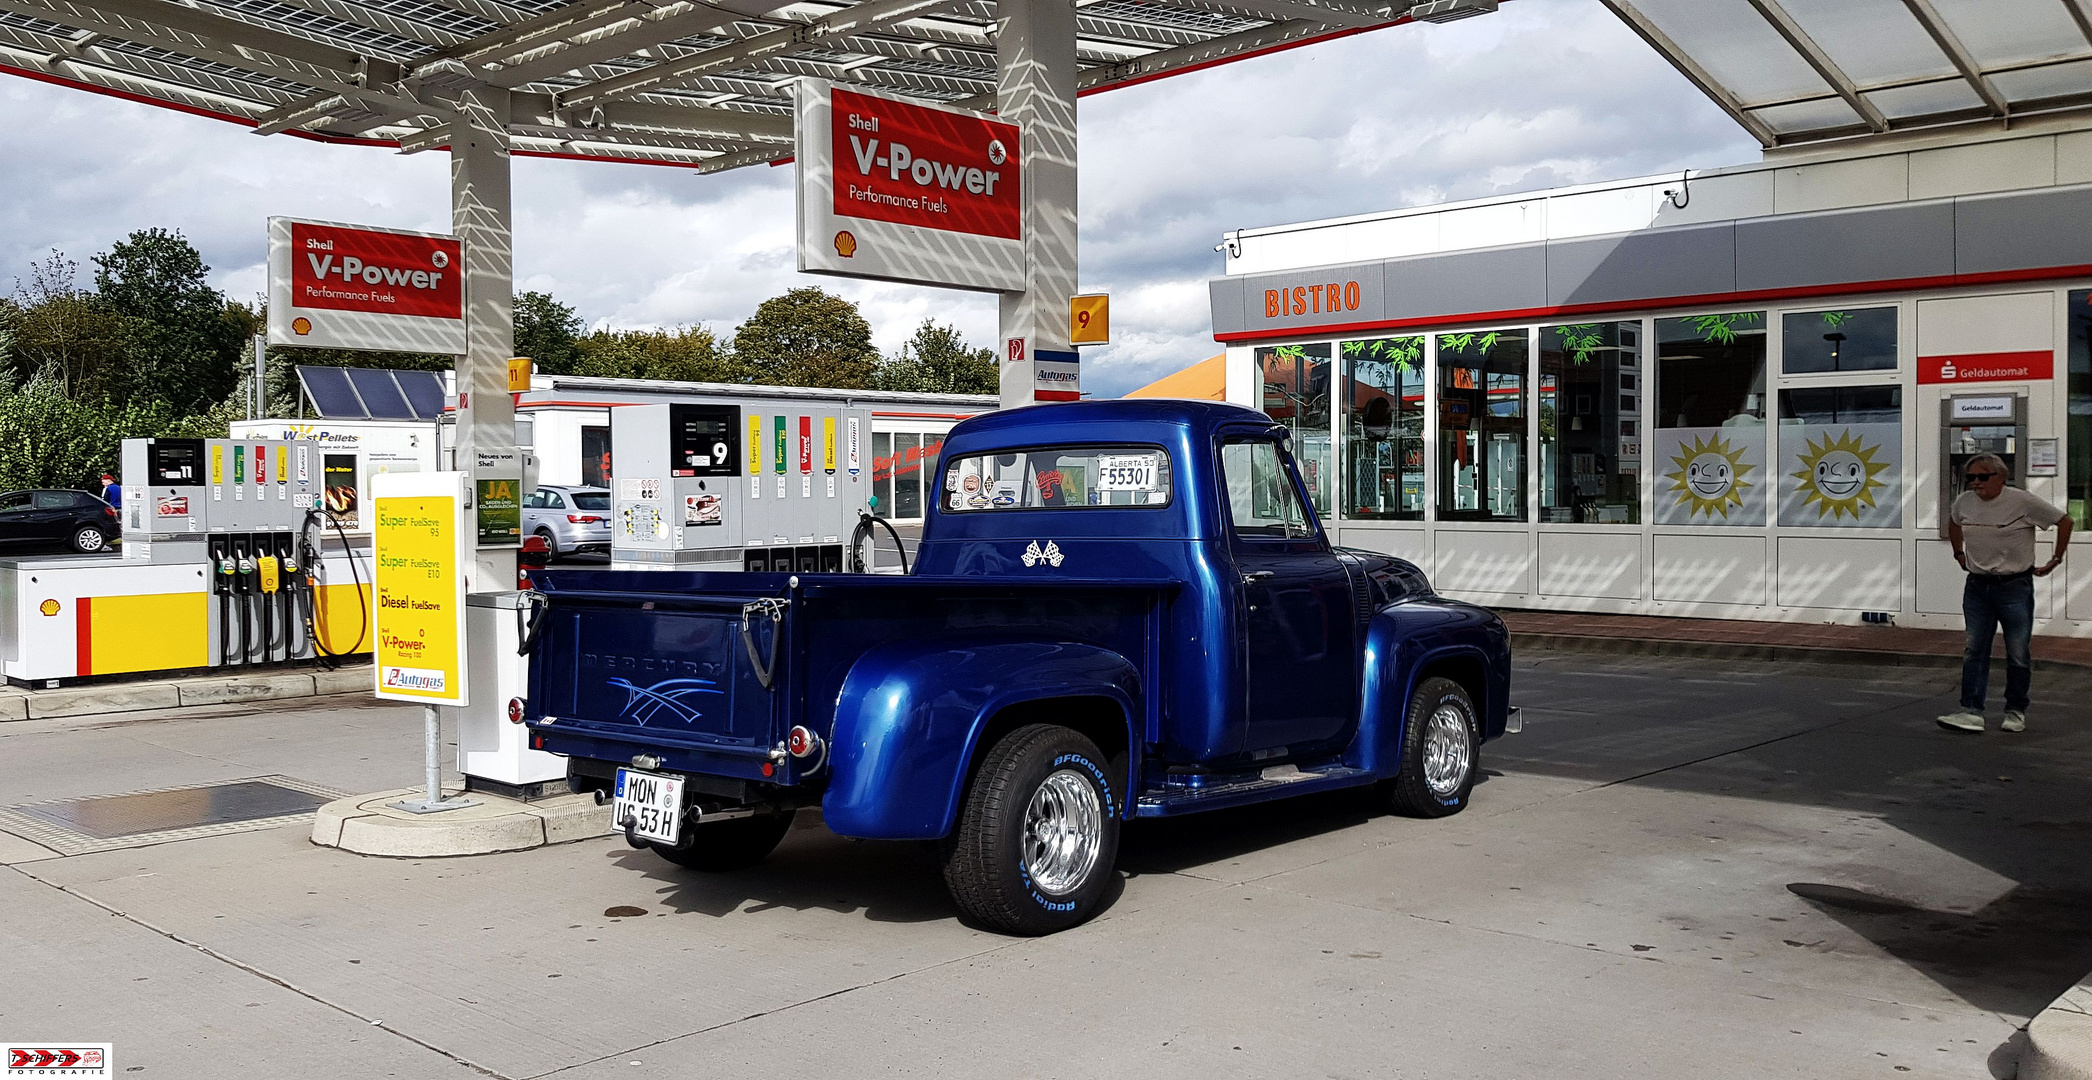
(1441, 742)
(88, 538)
(732, 844)
(551, 545)
(1038, 835)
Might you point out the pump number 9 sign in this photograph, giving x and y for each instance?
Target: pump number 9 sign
(1129, 472)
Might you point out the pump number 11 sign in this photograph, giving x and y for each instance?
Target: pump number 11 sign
(421, 546)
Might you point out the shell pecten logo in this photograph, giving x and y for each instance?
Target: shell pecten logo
(845, 244)
(48, 607)
(301, 326)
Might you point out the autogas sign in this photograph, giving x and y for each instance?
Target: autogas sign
(901, 191)
(353, 287)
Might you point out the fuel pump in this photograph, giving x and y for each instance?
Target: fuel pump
(266, 580)
(224, 569)
(243, 593)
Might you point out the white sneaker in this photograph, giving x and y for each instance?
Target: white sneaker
(1962, 721)
(2014, 721)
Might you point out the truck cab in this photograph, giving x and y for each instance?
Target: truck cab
(1118, 609)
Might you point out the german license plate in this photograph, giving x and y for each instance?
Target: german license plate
(654, 802)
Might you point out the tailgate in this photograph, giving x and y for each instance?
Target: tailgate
(672, 673)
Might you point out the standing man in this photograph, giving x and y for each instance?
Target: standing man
(1992, 529)
(112, 492)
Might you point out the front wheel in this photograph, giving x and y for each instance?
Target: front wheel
(88, 538)
(1038, 835)
(730, 845)
(1441, 742)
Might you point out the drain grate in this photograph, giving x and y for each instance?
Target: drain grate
(138, 818)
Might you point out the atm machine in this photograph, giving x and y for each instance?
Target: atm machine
(1971, 424)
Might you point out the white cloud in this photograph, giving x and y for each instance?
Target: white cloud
(1544, 92)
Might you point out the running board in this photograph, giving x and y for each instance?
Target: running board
(1278, 782)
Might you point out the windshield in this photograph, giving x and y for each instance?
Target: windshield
(590, 500)
(1059, 477)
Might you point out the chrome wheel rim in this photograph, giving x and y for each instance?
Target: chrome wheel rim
(89, 540)
(1447, 754)
(1063, 832)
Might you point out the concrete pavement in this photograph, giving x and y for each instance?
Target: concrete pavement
(1699, 868)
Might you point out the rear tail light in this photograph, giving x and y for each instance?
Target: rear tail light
(111, 511)
(515, 710)
(583, 519)
(802, 742)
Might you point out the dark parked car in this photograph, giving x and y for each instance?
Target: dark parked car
(72, 519)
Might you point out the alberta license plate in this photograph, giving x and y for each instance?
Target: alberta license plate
(654, 802)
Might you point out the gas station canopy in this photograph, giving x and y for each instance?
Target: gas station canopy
(1801, 71)
(670, 81)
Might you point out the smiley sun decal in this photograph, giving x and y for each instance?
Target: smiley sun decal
(1709, 479)
(1839, 475)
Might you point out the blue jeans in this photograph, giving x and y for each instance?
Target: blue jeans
(1988, 602)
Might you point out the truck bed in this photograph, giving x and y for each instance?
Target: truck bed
(673, 664)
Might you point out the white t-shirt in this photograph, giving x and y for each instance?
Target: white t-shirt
(1997, 534)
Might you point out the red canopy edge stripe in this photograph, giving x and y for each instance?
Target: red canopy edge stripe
(1799, 292)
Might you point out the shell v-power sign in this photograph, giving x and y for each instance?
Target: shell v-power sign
(900, 191)
(337, 286)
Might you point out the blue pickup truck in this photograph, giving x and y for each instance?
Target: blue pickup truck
(1119, 609)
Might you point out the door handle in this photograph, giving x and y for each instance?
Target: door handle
(1255, 576)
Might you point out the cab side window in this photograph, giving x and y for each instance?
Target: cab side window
(1262, 501)
(553, 501)
(14, 500)
(53, 500)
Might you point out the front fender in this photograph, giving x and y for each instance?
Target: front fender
(1401, 642)
(910, 717)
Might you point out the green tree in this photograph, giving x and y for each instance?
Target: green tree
(937, 361)
(60, 332)
(685, 354)
(58, 441)
(547, 331)
(807, 338)
(184, 340)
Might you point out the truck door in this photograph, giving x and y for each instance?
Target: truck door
(1295, 603)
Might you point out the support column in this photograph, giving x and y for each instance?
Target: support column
(486, 432)
(1035, 88)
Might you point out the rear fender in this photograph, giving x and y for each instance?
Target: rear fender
(910, 720)
(1402, 642)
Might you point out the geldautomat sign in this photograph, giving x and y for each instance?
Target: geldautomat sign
(353, 287)
(900, 191)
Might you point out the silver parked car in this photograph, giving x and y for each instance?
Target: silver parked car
(574, 520)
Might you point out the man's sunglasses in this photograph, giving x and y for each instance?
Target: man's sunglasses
(1979, 477)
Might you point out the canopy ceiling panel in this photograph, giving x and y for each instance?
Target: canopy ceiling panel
(704, 83)
(1802, 71)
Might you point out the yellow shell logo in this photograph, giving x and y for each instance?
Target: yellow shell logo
(1709, 478)
(1839, 475)
(845, 244)
(48, 607)
(301, 326)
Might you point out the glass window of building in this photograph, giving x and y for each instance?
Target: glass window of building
(1481, 426)
(1707, 452)
(1841, 457)
(1383, 444)
(2078, 435)
(907, 476)
(1296, 394)
(1849, 339)
(1590, 423)
(882, 472)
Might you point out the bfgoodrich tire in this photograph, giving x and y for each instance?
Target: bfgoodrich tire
(1441, 745)
(730, 845)
(1037, 837)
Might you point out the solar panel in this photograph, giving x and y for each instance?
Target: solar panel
(330, 392)
(424, 390)
(380, 394)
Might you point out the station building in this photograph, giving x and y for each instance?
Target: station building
(1738, 393)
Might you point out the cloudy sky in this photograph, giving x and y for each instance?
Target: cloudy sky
(1543, 93)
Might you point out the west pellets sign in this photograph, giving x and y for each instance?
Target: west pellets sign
(350, 287)
(899, 191)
